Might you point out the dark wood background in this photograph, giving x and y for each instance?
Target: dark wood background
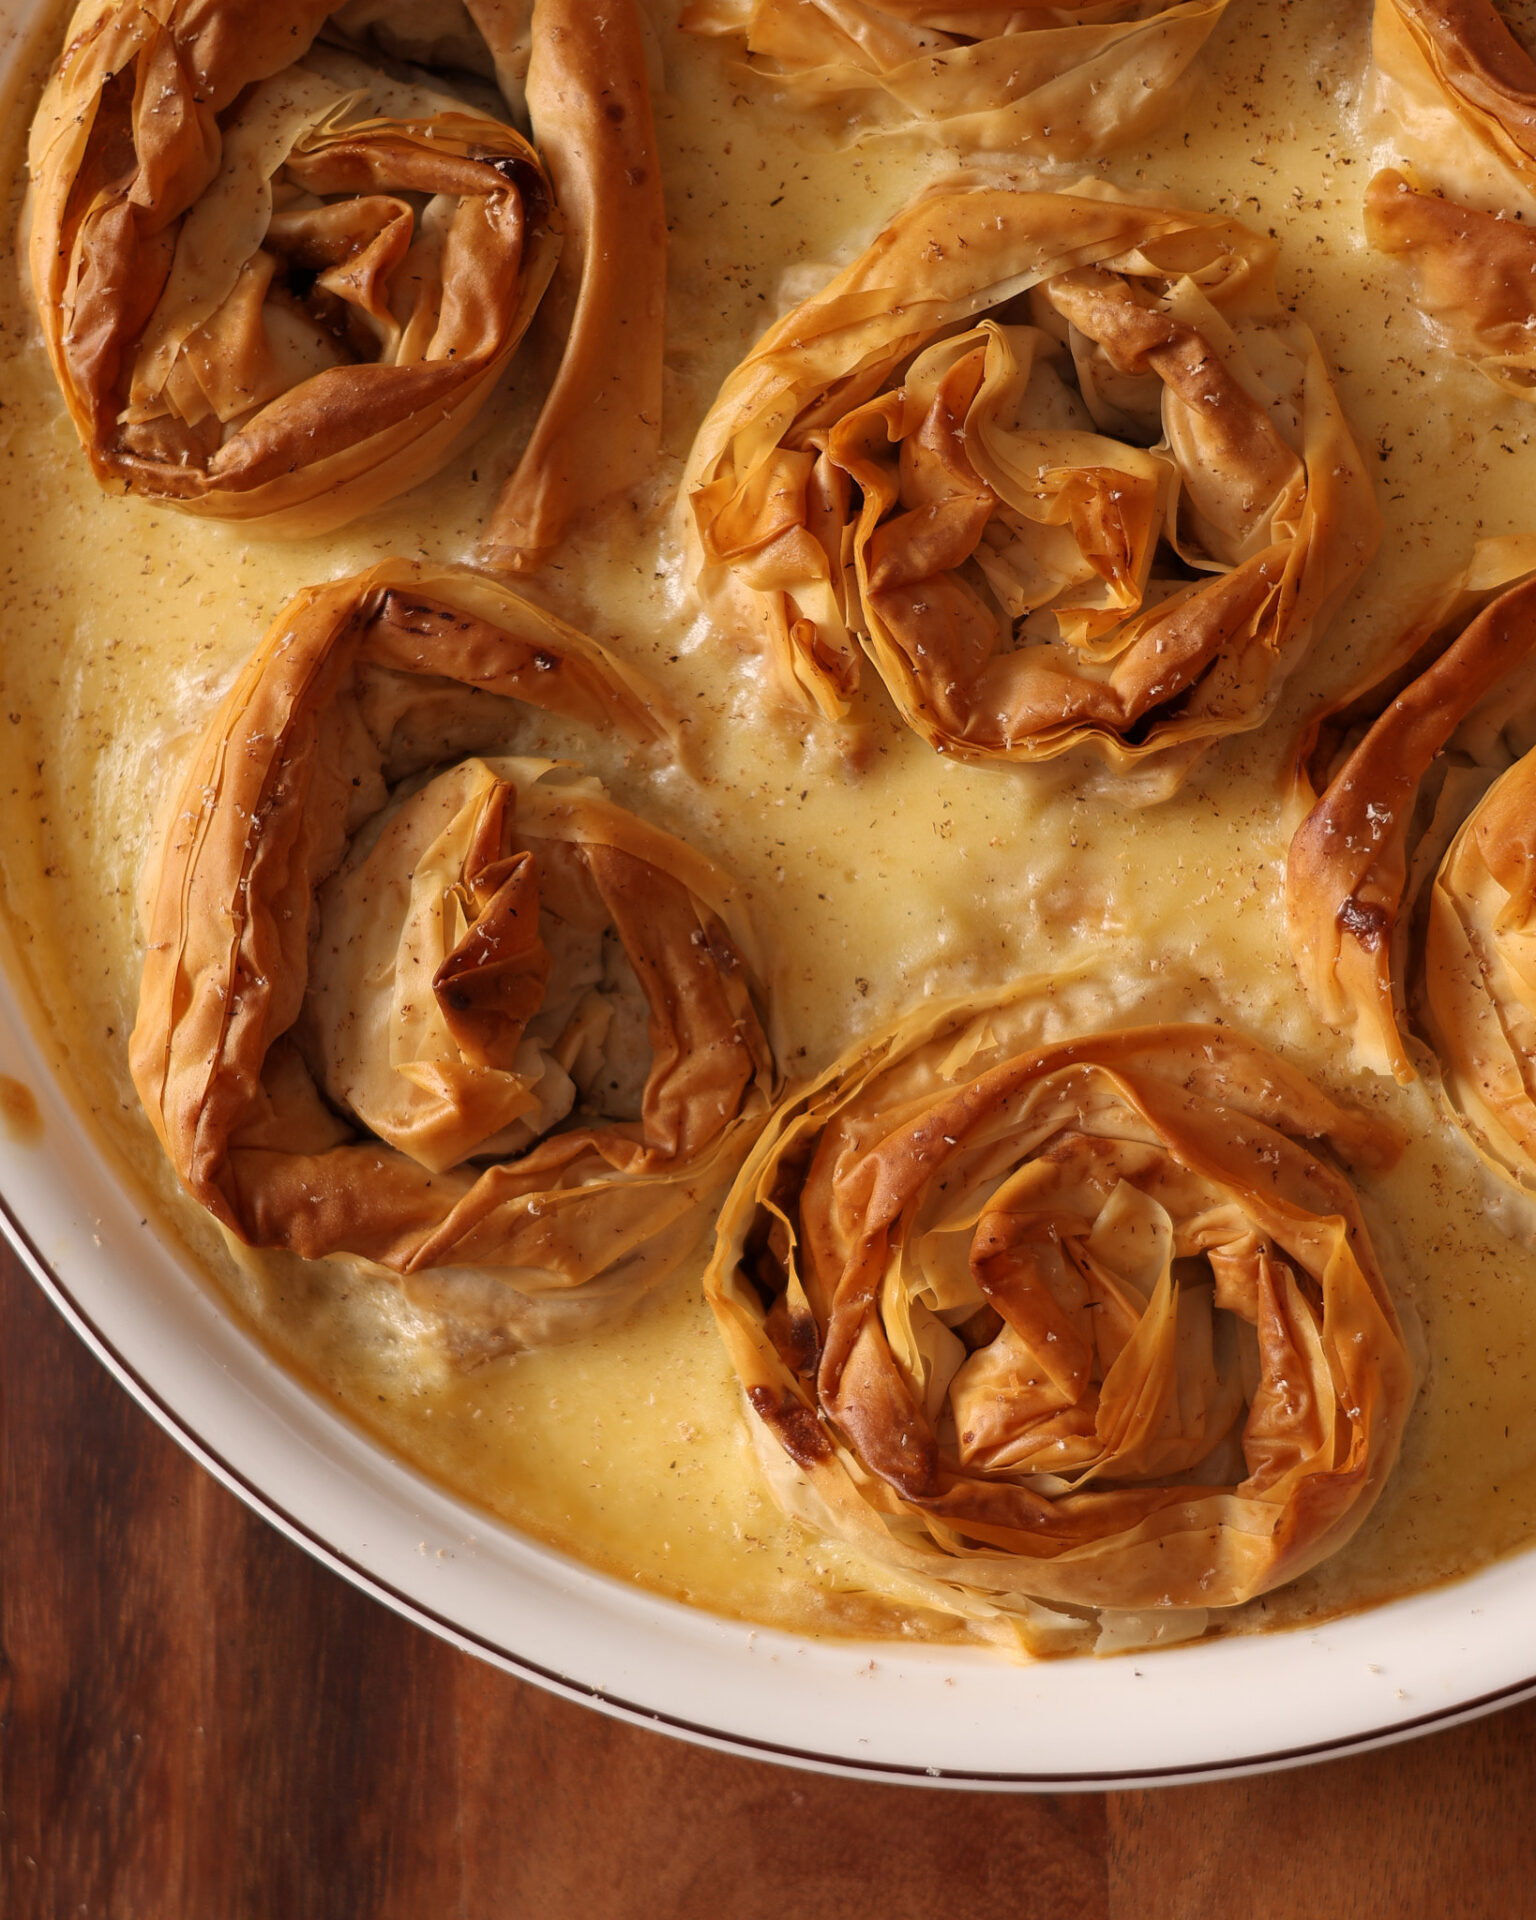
(200, 1723)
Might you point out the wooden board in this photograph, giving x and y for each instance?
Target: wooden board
(200, 1723)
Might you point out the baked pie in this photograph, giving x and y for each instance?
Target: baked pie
(450, 1046)
(1456, 93)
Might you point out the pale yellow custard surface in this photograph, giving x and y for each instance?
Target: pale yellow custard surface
(873, 887)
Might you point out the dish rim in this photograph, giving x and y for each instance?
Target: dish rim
(260, 1502)
(79, 1275)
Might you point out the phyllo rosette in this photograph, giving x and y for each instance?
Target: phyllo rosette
(1066, 82)
(455, 1014)
(280, 266)
(1043, 1325)
(1411, 877)
(1456, 93)
(1058, 464)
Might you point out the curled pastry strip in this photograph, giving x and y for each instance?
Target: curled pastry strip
(1457, 93)
(1409, 882)
(487, 1020)
(1090, 1322)
(1058, 463)
(1066, 82)
(600, 428)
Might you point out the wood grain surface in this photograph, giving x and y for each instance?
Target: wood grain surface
(200, 1723)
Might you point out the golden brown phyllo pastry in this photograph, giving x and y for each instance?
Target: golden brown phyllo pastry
(1086, 1322)
(1411, 879)
(1457, 94)
(1067, 81)
(280, 270)
(462, 1017)
(599, 430)
(1058, 463)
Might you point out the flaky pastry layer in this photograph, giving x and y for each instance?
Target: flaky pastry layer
(493, 1022)
(1065, 82)
(1086, 1322)
(1058, 465)
(1409, 888)
(1456, 92)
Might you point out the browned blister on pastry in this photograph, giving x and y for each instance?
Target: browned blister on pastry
(1090, 1322)
(1058, 464)
(464, 1018)
(1409, 882)
(1064, 81)
(1456, 93)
